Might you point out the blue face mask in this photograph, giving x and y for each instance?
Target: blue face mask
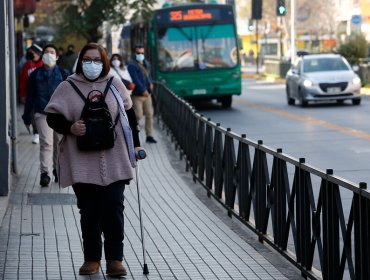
(140, 57)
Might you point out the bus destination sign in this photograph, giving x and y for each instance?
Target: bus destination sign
(197, 14)
(191, 14)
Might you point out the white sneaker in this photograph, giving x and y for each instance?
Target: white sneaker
(35, 139)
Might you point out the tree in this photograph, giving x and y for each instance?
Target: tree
(85, 17)
(354, 49)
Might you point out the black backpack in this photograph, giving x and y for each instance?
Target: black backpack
(100, 128)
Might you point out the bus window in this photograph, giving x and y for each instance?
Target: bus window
(217, 46)
(196, 47)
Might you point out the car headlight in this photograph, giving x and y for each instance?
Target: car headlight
(307, 83)
(356, 81)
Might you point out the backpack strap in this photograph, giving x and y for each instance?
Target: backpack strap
(107, 87)
(77, 90)
(84, 98)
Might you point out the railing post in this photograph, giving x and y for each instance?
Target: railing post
(303, 217)
(362, 234)
(243, 179)
(201, 150)
(209, 156)
(260, 190)
(218, 168)
(278, 182)
(330, 231)
(229, 169)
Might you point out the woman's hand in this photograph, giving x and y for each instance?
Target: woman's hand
(140, 153)
(78, 128)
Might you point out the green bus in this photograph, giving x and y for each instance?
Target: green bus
(193, 50)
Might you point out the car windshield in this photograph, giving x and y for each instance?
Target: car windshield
(196, 47)
(324, 64)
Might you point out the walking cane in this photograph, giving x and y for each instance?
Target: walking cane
(141, 155)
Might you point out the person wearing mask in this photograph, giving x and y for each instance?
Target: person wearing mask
(70, 58)
(139, 71)
(98, 177)
(33, 56)
(119, 70)
(41, 85)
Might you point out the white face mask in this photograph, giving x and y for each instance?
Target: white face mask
(116, 63)
(49, 59)
(91, 70)
(140, 57)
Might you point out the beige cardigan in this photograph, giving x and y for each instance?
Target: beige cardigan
(94, 167)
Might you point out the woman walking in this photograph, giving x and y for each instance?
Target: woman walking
(98, 177)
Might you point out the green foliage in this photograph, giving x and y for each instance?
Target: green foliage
(87, 16)
(143, 9)
(354, 49)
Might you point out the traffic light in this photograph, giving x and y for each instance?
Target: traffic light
(280, 8)
(256, 9)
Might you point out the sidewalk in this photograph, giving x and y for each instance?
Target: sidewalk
(40, 236)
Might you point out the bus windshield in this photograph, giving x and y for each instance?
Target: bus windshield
(196, 47)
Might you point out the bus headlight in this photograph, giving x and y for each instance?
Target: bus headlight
(236, 76)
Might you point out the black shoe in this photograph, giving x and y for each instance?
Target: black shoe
(150, 139)
(44, 179)
(55, 175)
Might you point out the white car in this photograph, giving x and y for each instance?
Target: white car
(322, 77)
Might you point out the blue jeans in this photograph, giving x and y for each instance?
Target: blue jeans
(101, 209)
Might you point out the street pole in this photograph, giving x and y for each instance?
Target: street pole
(13, 92)
(4, 104)
(292, 32)
(257, 49)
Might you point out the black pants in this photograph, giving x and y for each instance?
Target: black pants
(101, 209)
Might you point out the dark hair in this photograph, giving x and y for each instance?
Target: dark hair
(103, 54)
(138, 46)
(119, 57)
(50, 46)
(36, 48)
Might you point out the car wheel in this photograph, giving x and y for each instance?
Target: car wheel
(303, 102)
(356, 101)
(226, 101)
(291, 101)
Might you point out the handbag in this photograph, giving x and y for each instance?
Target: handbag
(129, 85)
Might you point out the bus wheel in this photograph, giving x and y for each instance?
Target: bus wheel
(226, 101)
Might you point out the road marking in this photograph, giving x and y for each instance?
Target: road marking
(310, 120)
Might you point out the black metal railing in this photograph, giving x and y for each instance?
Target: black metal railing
(294, 207)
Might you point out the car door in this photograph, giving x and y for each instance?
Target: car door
(295, 79)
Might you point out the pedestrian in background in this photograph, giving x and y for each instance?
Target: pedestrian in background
(98, 177)
(70, 58)
(33, 56)
(119, 70)
(41, 85)
(139, 71)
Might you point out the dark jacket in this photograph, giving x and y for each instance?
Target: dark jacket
(40, 87)
(139, 78)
